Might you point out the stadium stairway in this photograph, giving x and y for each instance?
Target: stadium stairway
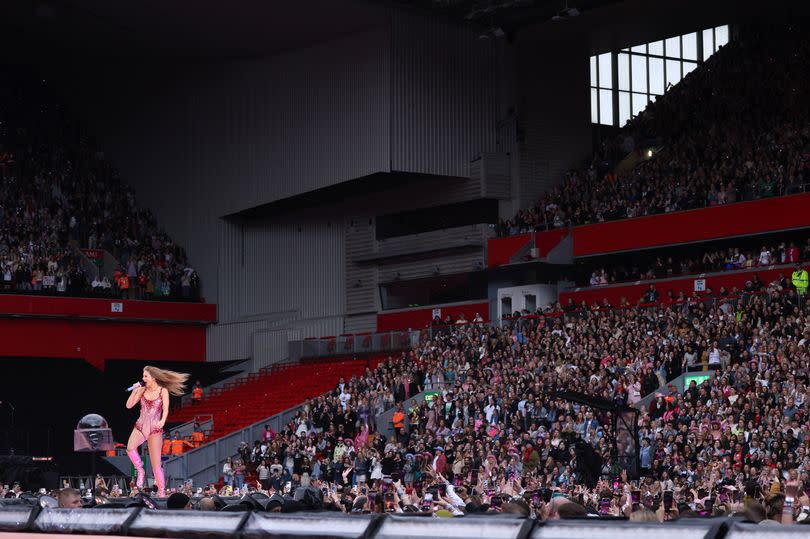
(273, 389)
(676, 385)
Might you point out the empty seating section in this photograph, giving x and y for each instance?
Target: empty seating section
(272, 390)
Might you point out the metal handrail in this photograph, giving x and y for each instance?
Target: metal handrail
(186, 399)
(76, 481)
(682, 277)
(202, 465)
(206, 422)
(88, 266)
(436, 329)
(743, 296)
(383, 421)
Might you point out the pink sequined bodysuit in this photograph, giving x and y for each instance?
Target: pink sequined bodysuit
(151, 411)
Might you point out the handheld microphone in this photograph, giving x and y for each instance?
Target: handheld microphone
(134, 386)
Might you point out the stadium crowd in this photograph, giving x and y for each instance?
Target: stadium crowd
(495, 437)
(736, 129)
(494, 433)
(713, 260)
(59, 194)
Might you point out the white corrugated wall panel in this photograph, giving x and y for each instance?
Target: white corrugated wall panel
(447, 264)
(330, 115)
(272, 346)
(497, 177)
(445, 238)
(229, 267)
(264, 343)
(227, 342)
(443, 95)
(360, 323)
(199, 141)
(318, 327)
(556, 120)
(289, 266)
(361, 279)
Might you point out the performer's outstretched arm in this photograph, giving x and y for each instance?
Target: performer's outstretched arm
(135, 396)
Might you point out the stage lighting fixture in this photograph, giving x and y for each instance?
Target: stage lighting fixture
(92, 434)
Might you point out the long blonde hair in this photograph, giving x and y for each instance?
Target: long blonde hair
(173, 381)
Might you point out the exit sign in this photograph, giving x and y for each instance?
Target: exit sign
(697, 378)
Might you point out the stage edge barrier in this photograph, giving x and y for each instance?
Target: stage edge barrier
(163, 523)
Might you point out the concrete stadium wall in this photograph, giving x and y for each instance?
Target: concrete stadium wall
(203, 140)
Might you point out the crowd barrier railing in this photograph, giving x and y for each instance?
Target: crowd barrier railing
(434, 330)
(711, 302)
(203, 465)
(384, 421)
(143, 522)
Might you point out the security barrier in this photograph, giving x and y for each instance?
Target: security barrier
(138, 521)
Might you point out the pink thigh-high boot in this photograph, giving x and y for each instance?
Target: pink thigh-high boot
(160, 481)
(138, 463)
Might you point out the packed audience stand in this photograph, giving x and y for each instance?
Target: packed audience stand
(494, 440)
(58, 194)
(712, 260)
(735, 129)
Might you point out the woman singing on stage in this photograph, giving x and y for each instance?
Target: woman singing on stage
(153, 396)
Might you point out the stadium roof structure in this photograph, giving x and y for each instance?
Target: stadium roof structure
(180, 28)
(506, 15)
(209, 29)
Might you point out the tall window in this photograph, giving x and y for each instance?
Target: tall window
(602, 89)
(644, 72)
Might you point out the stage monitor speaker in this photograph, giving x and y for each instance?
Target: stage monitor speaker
(14, 518)
(93, 434)
(489, 526)
(182, 523)
(90, 440)
(322, 525)
(84, 521)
